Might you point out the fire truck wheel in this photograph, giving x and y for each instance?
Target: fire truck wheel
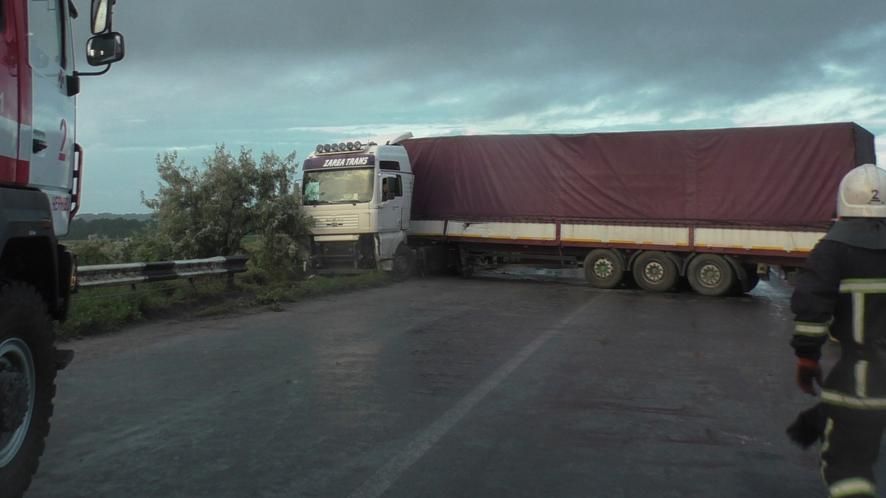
(27, 384)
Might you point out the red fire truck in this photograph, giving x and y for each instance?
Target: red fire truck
(41, 174)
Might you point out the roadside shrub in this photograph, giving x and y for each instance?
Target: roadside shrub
(210, 211)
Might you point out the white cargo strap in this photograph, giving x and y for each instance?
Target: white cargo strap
(852, 487)
(811, 329)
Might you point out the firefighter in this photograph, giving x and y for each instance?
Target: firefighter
(842, 293)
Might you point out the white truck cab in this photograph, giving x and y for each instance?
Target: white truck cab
(359, 196)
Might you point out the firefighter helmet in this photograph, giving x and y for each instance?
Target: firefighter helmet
(863, 193)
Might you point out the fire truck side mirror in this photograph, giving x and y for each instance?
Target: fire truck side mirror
(105, 49)
(101, 16)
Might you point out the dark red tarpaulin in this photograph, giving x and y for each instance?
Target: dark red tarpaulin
(770, 176)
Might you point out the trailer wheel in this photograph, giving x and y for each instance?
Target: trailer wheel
(604, 268)
(27, 384)
(655, 271)
(711, 275)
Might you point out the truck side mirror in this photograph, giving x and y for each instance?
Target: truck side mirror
(101, 16)
(105, 49)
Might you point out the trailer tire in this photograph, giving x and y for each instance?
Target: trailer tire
(28, 366)
(711, 275)
(604, 268)
(655, 271)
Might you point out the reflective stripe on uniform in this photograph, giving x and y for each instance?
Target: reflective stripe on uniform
(852, 487)
(858, 318)
(861, 378)
(840, 399)
(863, 286)
(825, 445)
(860, 288)
(811, 329)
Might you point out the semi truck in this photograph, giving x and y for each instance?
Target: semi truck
(714, 208)
(41, 179)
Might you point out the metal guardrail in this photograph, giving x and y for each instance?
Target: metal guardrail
(139, 273)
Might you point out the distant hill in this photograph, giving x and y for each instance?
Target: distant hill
(106, 226)
(106, 216)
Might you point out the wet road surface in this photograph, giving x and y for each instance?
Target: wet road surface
(441, 388)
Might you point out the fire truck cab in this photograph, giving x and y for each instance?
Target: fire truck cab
(41, 168)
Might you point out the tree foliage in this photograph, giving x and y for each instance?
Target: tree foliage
(204, 212)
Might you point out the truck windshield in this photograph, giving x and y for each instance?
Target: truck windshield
(343, 186)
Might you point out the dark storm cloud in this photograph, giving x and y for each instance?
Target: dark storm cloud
(738, 49)
(277, 73)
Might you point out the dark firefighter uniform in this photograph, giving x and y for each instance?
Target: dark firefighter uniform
(842, 293)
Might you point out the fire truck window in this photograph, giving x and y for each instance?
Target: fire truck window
(45, 35)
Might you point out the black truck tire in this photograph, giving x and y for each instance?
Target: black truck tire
(26, 334)
(711, 275)
(655, 271)
(604, 268)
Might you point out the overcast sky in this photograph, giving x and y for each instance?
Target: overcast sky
(285, 75)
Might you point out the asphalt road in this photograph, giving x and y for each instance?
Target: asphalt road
(441, 388)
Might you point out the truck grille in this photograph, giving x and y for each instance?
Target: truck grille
(337, 221)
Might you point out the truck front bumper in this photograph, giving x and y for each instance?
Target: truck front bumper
(355, 252)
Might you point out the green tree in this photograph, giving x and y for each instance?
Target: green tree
(208, 211)
(279, 219)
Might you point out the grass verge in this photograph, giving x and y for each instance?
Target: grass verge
(97, 311)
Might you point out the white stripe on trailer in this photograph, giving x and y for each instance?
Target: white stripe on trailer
(427, 228)
(625, 234)
(744, 239)
(504, 231)
(757, 240)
